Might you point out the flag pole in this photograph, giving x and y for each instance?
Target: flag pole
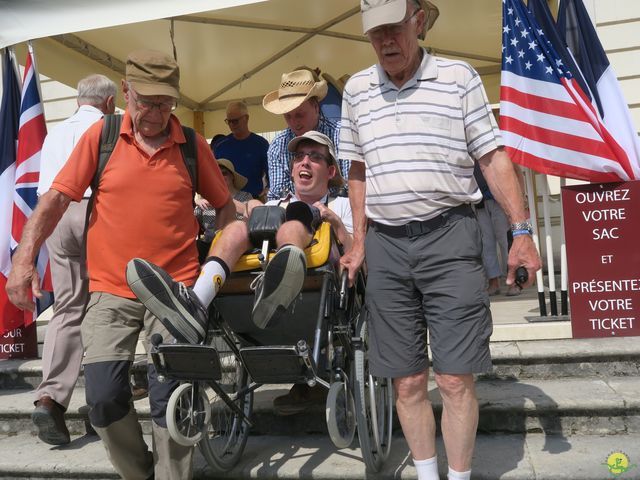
(564, 299)
(533, 211)
(551, 271)
(37, 73)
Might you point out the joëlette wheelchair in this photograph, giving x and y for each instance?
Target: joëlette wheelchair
(321, 339)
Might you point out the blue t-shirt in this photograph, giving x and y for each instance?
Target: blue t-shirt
(249, 157)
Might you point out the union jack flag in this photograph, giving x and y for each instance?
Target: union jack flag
(548, 122)
(31, 134)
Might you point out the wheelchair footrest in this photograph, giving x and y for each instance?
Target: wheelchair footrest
(275, 364)
(188, 362)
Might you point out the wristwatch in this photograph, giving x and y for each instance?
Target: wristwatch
(521, 228)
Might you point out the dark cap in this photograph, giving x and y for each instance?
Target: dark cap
(153, 73)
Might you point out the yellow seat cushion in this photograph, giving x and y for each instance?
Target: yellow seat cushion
(317, 253)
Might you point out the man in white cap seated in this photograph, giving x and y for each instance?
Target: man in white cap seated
(297, 99)
(314, 171)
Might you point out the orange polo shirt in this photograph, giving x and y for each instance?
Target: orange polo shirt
(143, 206)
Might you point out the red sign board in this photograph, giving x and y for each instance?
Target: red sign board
(21, 342)
(602, 226)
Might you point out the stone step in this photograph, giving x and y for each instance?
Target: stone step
(603, 357)
(506, 457)
(568, 406)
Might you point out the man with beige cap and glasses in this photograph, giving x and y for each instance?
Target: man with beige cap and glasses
(143, 207)
(413, 126)
(298, 100)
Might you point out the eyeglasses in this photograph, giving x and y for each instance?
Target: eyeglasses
(146, 105)
(315, 157)
(233, 121)
(392, 29)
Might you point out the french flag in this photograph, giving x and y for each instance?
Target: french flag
(10, 316)
(580, 36)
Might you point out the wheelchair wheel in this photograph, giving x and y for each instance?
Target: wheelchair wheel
(226, 435)
(374, 406)
(187, 418)
(341, 415)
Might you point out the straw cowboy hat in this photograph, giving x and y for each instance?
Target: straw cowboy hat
(295, 88)
(239, 181)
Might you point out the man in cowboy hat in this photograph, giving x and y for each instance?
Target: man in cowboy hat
(247, 150)
(297, 99)
(314, 170)
(143, 205)
(414, 187)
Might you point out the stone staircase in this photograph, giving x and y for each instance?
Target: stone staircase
(552, 409)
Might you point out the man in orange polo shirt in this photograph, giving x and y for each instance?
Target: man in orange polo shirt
(143, 207)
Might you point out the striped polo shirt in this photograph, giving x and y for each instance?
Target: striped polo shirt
(418, 142)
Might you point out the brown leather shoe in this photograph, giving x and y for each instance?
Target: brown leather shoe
(49, 418)
(299, 398)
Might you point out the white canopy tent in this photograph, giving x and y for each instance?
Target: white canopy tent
(232, 49)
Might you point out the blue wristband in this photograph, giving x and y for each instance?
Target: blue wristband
(516, 233)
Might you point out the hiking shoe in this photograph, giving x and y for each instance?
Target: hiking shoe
(48, 416)
(175, 305)
(280, 285)
(300, 398)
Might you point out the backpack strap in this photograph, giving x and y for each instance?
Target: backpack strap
(108, 139)
(190, 156)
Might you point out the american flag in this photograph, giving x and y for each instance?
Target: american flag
(31, 134)
(547, 120)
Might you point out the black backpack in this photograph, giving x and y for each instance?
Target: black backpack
(108, 139)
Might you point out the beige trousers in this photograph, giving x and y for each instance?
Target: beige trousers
(62, 352)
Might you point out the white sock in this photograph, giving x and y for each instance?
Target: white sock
(427, 469)
(212, 276)
(453, 475)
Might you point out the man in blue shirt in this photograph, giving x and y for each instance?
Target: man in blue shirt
(297, 100)
(246, 150)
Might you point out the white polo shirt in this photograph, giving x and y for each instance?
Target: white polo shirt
(418, 142)
(61, 141)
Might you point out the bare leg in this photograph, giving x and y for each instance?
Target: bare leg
(459, 418)
(233, 242)
(294, 233)
(416, 414)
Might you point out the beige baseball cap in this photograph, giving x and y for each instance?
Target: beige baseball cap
(383, 12)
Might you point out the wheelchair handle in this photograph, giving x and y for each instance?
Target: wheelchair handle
(344, 290)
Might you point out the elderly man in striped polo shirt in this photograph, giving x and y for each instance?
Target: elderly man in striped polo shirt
(413, 125)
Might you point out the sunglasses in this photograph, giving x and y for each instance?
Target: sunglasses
(233, 121)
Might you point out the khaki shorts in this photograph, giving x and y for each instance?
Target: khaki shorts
(112, 325)
(433, 281)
